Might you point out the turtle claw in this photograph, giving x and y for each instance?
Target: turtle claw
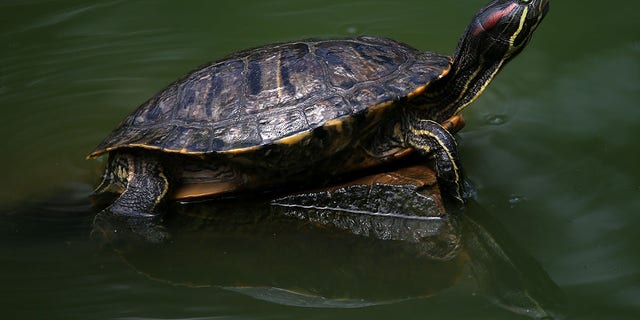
(114, 228)
(454, 191)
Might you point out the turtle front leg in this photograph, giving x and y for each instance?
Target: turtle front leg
(135, 213)
(146, 188)
(431, 139)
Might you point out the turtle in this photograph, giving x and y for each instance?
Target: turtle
(307, 111)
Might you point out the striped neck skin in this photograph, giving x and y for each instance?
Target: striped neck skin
(496, 34)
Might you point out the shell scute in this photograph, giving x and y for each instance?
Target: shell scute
(328, 108)
(370, 96)
(302, 76)
(236, 134)
(357, 62)
(187, 139)
(226, 90)
(281, 124)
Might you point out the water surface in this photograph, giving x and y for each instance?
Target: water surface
(551, 146)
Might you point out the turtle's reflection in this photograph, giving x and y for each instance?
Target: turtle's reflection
(382, 238)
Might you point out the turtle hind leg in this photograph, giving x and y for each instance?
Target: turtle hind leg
(431, 139)
(136, 212)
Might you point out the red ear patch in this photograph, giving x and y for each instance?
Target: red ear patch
(490, 21)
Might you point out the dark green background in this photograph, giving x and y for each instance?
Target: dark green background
(551, 147)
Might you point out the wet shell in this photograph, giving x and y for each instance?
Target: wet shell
(277, 94)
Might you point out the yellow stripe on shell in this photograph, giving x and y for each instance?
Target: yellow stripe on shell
(417, 91)
(294, 139)
(279, 75)
(335, 124)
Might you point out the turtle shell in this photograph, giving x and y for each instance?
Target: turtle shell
(276, 94)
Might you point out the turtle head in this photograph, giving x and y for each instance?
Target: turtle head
(502, 28)
(497, 33)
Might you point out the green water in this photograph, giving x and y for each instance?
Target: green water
(551, 146)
